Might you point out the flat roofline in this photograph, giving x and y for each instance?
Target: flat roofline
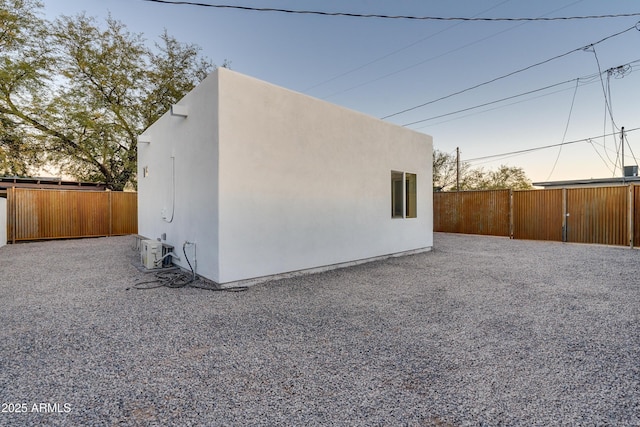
(593, 181)
(47, 182)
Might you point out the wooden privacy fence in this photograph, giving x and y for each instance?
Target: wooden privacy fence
(605, 215)
(60, 214)
(472, 212)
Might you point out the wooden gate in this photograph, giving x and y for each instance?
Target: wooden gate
(537, 215)
(603, 215)
(35, 214)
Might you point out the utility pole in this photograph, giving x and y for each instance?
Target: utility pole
(457, 168)
(622, 160)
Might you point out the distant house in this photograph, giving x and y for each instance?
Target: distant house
(47, 183)
(262, 181)
(593, 182)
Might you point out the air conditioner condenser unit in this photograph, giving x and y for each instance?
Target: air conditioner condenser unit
(152, 254)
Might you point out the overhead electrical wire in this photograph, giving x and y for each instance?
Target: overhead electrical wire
(383, 16)
(438, 56)
(600, 155)
(529, 150)
(566, 128)
(580, 80)
(387, 55)
(620, 71)
(636, 26)
(439, 116)
(498, 107)
(604, 90)
(624, 135)
(510, 155)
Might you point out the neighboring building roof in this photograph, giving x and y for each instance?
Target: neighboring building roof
(594, 182)
(48, 183)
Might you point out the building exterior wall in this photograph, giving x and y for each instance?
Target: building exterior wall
(269, 181)
(3, 221)
(188, 144)
(304, 183)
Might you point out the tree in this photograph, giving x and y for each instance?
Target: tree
(83, 93)
(15, 154)
(22, 50)
(505, 177)
(445, 170)
(511, 177)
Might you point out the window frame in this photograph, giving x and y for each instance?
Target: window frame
(404, 195)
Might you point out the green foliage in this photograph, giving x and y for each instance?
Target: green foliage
(81, 92)
(15, 154)
(505, 177)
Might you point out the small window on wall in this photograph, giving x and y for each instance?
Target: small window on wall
(403, 195)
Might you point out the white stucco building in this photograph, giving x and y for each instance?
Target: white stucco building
(267, 181)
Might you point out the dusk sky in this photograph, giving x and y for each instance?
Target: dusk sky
(384, 66)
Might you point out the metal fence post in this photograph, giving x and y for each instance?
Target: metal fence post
(510, 213)
(110, 215)
(565, 214)
(14, 216)
(631, 215)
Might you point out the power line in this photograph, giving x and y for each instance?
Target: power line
(380, 58)
(630, 149)
(501, 106)
(602, 158)
(493, 158)
(381, 16)
(566, 128)
(636, 26)
(489, 103)
(529, 150)
(614, 70)
(441, 55)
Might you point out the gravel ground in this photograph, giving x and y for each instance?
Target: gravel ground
(481, 331)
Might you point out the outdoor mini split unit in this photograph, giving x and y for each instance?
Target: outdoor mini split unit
(153, 254)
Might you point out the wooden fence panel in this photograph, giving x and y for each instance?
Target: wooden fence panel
(538, 215)
(602, 215)
(472, 212)
(597, 215)
(124, 213)
(36, 214)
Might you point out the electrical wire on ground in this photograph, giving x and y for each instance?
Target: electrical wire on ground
(176, 278)
(382, 16)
